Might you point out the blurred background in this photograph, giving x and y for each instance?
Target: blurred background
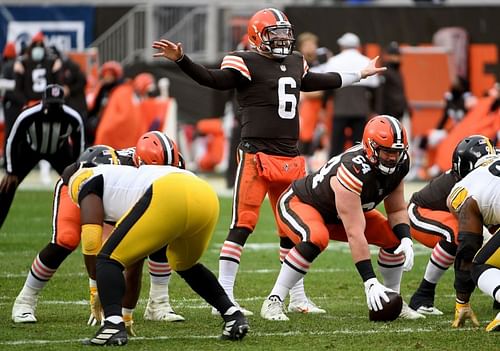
(446, 53)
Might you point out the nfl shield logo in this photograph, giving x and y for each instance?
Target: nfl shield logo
(55, 91)
(283, 68)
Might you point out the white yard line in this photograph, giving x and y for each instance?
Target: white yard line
(257, 334)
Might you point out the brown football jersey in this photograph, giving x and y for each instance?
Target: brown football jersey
(433, 195)
(269, 95)
(356, 174)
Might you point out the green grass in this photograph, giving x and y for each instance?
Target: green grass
(332, 283)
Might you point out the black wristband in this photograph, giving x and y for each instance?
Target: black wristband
(365, 270)
(402, 230)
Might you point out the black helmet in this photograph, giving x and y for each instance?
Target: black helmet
(53, 94)
(468, 152)
(99, 155)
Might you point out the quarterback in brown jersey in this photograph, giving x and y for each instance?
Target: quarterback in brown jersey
(338, 203)
(268, 79)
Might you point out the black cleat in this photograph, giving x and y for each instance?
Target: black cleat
(424, 296)
(235, 326)
(496, 305)
(109, 334)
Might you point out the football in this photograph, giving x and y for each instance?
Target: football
(391, 309)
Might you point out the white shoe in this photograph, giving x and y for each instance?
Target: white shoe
(408, 313)
(24, 308)
(243, 310)
(272, 309)
(429, 310)
(160, 310)
(304, 306)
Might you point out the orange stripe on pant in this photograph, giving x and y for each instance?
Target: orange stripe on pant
(302, 222)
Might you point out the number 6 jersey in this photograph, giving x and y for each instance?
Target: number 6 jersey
(356, 174)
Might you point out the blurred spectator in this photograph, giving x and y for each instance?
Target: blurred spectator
(352, 104)
(458, 101)
(34, 71)
(74, 82)
(312, 104)
(153, 110)
(392, 100)
(9, 105)
(120, 124)
(110, 76)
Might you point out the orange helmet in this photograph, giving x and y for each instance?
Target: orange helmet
(113, 67)
(270, 33)
(385, 133)
(156, 148)
(144, 83)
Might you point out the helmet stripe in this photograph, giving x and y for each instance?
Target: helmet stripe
(168, 148)
(279, 15)
(396, 130)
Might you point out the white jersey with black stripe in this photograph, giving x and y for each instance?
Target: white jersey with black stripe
(122, 186)
(483, 185)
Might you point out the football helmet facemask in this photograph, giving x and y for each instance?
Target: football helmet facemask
(469, 154)
(270, 33)
(156, 148)
(385, 134)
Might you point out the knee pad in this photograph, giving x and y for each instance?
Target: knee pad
(248, 219)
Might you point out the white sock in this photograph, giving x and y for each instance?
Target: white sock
(438, 263)
(391, 268)
(229, 263)
(293, 269)
(298, 293)
(38, 275)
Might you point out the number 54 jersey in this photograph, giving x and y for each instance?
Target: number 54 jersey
(356, 174)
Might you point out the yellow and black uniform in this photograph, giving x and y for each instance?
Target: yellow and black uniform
(154, 207)
(171, 205)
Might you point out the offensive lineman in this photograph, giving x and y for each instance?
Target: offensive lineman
(338, 203)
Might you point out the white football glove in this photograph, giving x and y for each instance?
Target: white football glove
(375, 292)
(96, 313)
(406, 247)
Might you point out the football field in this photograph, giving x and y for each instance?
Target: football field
(332, 283)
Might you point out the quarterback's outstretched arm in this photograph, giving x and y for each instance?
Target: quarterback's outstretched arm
(221, 79)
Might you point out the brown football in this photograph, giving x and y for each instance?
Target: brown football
(391, 309)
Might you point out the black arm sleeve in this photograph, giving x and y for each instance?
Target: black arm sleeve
(221, 79)
(321, 81)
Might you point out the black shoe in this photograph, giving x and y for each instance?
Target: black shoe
(424, 296)
(496, 305)
(235, 326)
(109, 334)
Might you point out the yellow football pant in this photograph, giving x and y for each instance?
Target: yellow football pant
(178, 210)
